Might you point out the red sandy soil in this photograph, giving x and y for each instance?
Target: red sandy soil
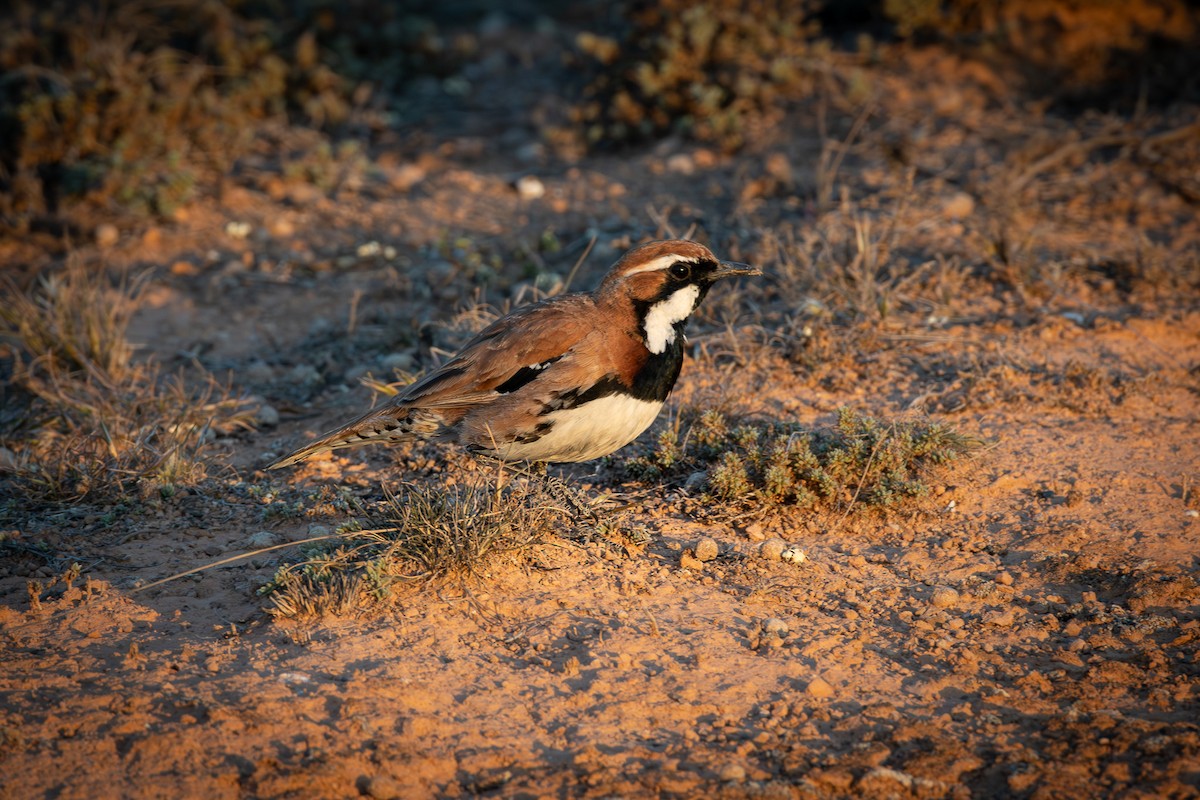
(1029, 630)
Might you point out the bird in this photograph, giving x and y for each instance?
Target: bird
(570, 378)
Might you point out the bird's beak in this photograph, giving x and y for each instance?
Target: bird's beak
(732, 269)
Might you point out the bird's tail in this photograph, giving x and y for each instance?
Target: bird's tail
(389, 424)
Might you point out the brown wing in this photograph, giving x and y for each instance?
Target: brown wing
(528, 337)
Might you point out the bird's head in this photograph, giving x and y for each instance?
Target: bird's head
(665, 281)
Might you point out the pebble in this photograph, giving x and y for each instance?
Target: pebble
(238, 230)
(8, 460)
(959, 206)
(258, 371)
(530, 187)
(775, 627)
(772, 549)
(794, 555)
(282, 228)
(406, 176)
(381, 787)
(394, 361)
(304, 375)
(681, 163)
(943, 597)
(107, 235)
(262, 539)
(1004, 578)
(754, 531)
(266, 415)
(732, 773)
(706, 549)
(819, 687)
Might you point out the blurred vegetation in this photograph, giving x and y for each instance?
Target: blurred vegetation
(135, 103)
(860, 460)
(139, 105)
(1077, 47)
(712, 69)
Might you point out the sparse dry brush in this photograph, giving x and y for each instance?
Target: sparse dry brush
(429, 532)
(83, 418)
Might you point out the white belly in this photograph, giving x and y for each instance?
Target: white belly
(591, 430)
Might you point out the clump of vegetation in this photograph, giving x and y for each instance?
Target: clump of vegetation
(139, 103)
(709, 69)
(432, 532)
(860, 460)
(82, 418)
(1072, 45)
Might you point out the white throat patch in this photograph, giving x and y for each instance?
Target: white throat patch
(661, 318)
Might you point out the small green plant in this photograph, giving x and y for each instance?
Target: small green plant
(431, 533)
(860, 460)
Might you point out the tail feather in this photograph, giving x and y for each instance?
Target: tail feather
(388, 425)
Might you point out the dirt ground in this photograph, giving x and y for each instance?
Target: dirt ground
(1029, 630)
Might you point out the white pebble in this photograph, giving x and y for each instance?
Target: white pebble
(530, 187)
(238, 230)
(794, 555)
(775, 627)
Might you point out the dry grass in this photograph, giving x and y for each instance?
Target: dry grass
(430, 533)
(84, 419)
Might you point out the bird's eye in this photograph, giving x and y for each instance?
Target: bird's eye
(681, 270)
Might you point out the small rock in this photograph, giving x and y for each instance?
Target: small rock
(732, 773)
(780, 168)
(772, 549)
(681, 163)
(819, 688)
(1004, 578)
(107, 235)
(304, 375)
(8, 460)
(381, 787)
(706, 549)
(943, 597)
(754, 532)
(397, 361)
(266, 415)
(959, 206)
(369, 249)
(281, 228)
(184, 269)
(793, 555)
(530, 187)
(257, 541)
(238, 230)
(258, 371)
(695, 480)
(775, 627)
(689, 561)
(406, 176)
(317, 529)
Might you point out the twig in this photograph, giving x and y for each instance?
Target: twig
(251, 554)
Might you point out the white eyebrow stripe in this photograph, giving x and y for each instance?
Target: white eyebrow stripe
(662, 262)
